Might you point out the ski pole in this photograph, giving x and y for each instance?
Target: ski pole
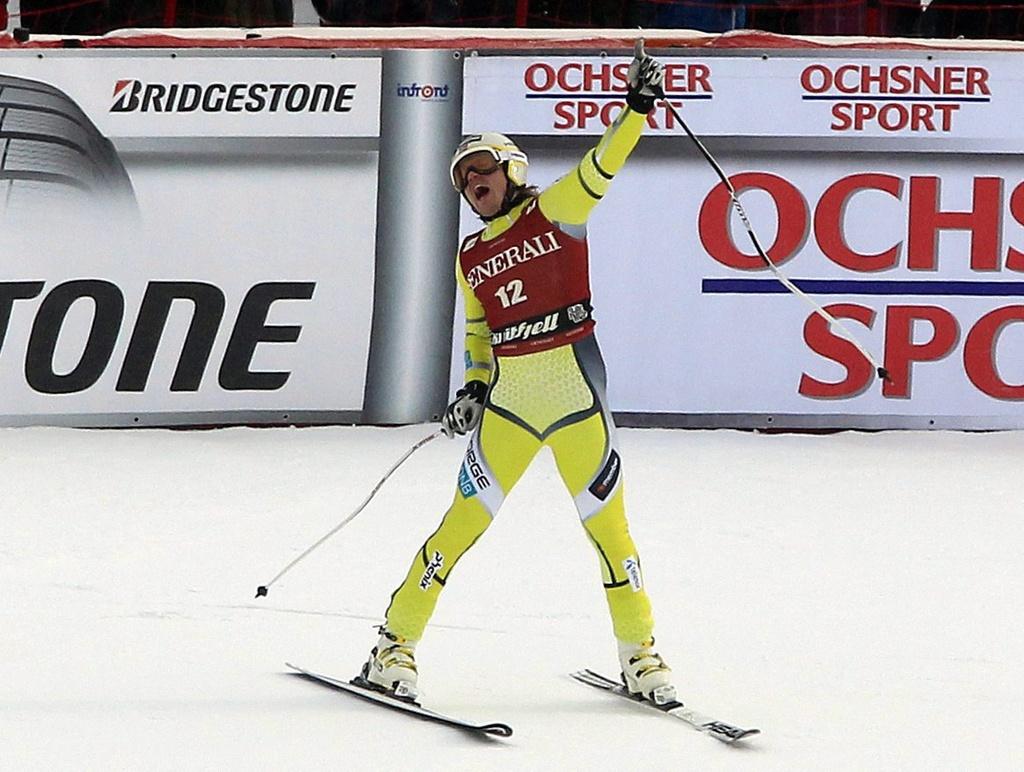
(785, 280)
(262, 590)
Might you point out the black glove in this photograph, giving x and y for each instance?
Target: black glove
(644, 81)
(465, 411)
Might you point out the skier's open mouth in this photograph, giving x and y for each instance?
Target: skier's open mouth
(480, 191)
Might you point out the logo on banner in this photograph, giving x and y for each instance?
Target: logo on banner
(136, 96)
(589, 94)
(428, 92)
(895, 98)
(146, 333)
(919, 318)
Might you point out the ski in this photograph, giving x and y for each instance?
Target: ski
(720, 730)
(401, 706)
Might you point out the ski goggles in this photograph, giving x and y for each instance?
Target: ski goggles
(483, 166)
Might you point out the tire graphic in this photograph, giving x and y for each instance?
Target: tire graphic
(53, 159)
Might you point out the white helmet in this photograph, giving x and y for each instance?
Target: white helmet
(500, 147)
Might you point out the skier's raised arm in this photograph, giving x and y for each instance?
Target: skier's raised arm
(570, 200)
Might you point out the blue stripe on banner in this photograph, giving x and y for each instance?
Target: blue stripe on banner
(864, 287)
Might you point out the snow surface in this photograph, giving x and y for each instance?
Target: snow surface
(856, 596)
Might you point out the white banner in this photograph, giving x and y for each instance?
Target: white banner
(922, 258)
(920, 254)
(194, 94)
(132, 326)
(229, 272)
(938, 95)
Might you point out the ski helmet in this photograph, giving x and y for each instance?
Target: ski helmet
(500, 147)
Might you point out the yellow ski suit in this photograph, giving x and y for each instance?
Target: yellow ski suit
(547, 387)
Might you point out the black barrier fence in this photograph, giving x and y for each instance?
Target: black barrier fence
(904, 18)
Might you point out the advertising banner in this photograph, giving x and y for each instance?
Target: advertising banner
(919, 254)
(219, 234)
(186, 236)
(920, 258)
(922, 99)
(185, 94)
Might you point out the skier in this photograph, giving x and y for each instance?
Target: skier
(534, 377)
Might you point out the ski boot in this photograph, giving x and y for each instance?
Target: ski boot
(391, 668)
(645, 673)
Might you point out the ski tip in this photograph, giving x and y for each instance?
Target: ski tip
(741, 737)
(727, 733)
(497, 730)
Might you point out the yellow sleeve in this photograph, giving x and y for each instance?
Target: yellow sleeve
(570, 199)
(478, 334)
